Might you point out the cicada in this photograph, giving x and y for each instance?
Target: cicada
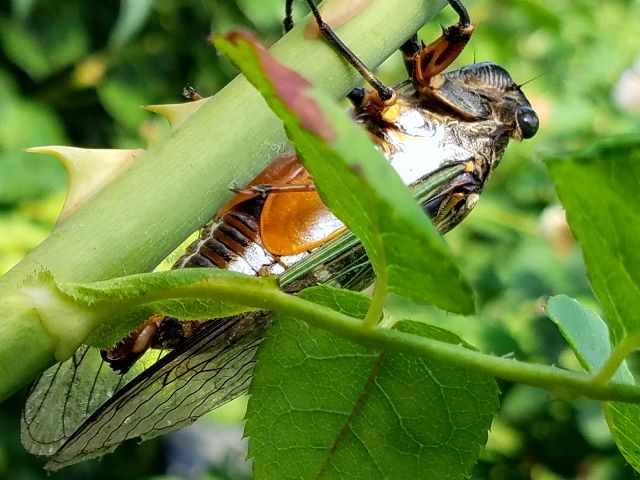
(444, 132)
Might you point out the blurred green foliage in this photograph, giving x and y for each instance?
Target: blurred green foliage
(77, 72)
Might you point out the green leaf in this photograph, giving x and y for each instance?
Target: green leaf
(588, 337)
(586, 333)
(321, 405)
(598, 188)
(355, 182)
(624, 423)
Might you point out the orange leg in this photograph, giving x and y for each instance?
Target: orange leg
(423, 63)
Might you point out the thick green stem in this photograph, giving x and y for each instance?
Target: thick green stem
(25, 346)
(174, 188)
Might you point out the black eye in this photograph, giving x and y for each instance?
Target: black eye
(527, 121)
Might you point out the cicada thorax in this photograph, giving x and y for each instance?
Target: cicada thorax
(419, 139)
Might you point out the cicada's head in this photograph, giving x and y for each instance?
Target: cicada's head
(463, 117)
(486, 91)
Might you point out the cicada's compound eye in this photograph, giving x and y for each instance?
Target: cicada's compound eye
(527, 121)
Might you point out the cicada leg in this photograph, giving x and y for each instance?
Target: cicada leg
(384, 93)
(264, 189)
(158, 331)
(287, 22)
(423, 63)
(409, 50)
(454, 201)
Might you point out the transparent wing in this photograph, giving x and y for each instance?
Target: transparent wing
(66, 394)
(204, 372)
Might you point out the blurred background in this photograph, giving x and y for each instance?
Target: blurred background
(77, 72)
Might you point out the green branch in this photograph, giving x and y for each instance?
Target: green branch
(537, 375)
(259, 294)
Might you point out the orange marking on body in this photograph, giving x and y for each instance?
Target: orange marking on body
(292, 223)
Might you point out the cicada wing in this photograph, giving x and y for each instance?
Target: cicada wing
(66, 394)
(202, 373)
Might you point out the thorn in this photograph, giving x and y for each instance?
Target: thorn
(176, 113)
(89, 170)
